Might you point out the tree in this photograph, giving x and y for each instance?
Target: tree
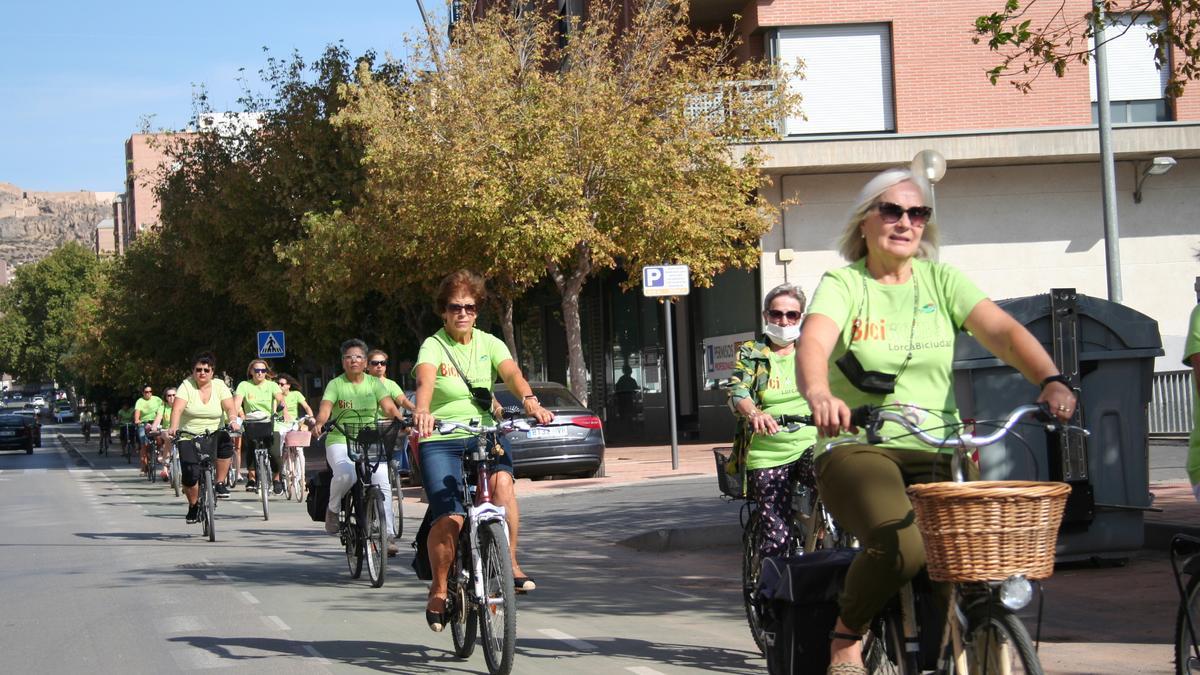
(39, 310)
(1031, 39)
(527, 151)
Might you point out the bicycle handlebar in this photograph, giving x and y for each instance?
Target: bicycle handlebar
(506, 426)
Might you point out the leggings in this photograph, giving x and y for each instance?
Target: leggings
(344, 477)
(274, 453)
(772, 489)
(863, 487)
(189, 462)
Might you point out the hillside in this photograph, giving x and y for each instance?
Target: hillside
(33, 223)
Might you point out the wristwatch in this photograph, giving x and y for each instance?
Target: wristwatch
(1060, 378)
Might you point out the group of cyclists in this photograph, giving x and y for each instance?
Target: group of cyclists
(879, 331)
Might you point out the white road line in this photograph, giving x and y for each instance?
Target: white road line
(250, 599)
(672, 590)
(29, 471)
(277, 622)
(642, 670)
(312, 651)
(180, 624)
(571, 640)
(220, 576)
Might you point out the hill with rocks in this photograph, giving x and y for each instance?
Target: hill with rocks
(33, 223)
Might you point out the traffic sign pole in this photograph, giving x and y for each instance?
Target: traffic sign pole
(671, 386)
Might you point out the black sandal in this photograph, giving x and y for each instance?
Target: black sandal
(523, 584)
(835, 635)
(437, 620)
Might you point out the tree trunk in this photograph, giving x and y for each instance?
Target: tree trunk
(506, 325)
(570, 287)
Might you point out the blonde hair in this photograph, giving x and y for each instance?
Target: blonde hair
(853, 246)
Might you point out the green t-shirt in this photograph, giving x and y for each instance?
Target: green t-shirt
(480, 359)
(1191, 352)
(781, 397)
(198, 416)
(931, 307)
(353, 404)
(146, 409)
(393, 391)
(258, 397)
(125, 416)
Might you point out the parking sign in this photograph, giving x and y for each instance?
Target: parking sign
(665, 280)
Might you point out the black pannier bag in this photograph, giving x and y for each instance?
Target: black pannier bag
(800, 606)
(318, 494)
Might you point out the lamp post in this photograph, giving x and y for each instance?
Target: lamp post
(1112, 236)
(932, 165)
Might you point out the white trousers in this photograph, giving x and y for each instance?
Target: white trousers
(343, 479)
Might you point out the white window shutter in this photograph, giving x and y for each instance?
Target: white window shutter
(847, 85)
(1132, 75)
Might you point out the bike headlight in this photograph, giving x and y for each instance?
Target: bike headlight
(1016, 592)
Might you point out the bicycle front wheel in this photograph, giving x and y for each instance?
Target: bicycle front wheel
(998, 643)
(1186, 659)
(351, 515)
(397, 502)
(498, 606)
(210, 506)
(376, 539)
(751, 569)
(175, 470)
(264, 482)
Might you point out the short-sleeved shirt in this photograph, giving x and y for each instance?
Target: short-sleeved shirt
(1191, 352)
(291, 408)
(198, 416)
(780, 396)
(393, 391)
(931, 307)
(353, 404)
(258, 397)
(148, 407)
(480, 360)
(125, 416)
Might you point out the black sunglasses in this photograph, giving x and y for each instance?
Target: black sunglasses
(455, 308)
(378, 363)
(202, 369)
(147, 391)
(260, 370)
(791, 315)
(891, 213)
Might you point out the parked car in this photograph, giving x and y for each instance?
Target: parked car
(17, 433)
(573, 444)
(63, 412)
(30, 416)
(38, 401)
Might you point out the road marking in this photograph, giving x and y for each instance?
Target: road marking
(571, 640)
(250, 599)
(196, 658)
(29, 471)
(277, 622)
(312, 651)
(180, 624)
(672, 590)
(219, 576)
(642, 670)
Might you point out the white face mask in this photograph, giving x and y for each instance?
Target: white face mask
(783, 335)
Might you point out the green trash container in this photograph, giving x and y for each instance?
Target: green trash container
(1110, 348)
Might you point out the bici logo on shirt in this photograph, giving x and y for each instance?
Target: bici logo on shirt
(343, 404)
(929, 308)
(447, 370)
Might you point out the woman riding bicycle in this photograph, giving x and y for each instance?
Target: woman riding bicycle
(881, 331)
(258, 394)
(356, 395)
(763, 386)
(293, 399)
(443, 394)
(200, 402)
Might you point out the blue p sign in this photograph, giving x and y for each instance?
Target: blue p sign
(652, 277)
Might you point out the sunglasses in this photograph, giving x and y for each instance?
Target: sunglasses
(891, 213)
(776, 315)
(202, 369)
(455, 308)
(170, 395)
(378, 363)
(284, 383)
(260, 370)
(147, 391)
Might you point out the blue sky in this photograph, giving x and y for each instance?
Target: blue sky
(77, 78)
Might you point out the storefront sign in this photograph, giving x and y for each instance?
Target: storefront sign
(720, 355)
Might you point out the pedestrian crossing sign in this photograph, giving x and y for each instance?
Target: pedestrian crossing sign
(271, 344)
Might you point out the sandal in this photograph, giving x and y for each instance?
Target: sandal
(523, 584)
(436, 620)
(846, 669)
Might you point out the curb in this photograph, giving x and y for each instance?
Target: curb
(80, 458)
(685, 538)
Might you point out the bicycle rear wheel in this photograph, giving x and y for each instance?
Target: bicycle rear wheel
(376, 537)
(464, 616)
(498, 606)
(998, 643)
(883, 646)
(397, 501)
(175, 469)
(210, 505)
(751, 569)
(1186, 661)
(263, 467)
(350, 532)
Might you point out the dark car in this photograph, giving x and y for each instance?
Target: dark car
(573, 444)
(16, 433)
(30, 417)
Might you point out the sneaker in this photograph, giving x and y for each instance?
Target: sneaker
(331, 522)
(251, 485)
(392, 549)
(222, 491)
(193, 514)
(278, 486)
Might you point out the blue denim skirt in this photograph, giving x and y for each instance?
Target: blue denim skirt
(441, 472)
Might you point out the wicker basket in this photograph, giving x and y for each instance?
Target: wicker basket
(731, 484)
(989, 530)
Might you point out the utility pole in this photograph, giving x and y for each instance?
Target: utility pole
(1112, 236)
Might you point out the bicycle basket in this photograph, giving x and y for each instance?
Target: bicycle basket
(258, 431)
(298, 439)
(731, 484)
(989, 530)
(388, 435)
(360, 437)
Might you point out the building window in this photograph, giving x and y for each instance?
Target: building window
(847, 83)
(1135, 84)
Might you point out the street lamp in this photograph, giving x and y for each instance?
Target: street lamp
(1156, 167)
(932, 165)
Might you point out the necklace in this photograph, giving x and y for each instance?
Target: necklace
(912, 329)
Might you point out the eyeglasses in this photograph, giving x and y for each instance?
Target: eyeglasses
(202, 369)
(455, 308)
(170, 395)
(260, 370)
(353, 357)
(776, 315)
(891, 213)
(147, 391)
(377, 363)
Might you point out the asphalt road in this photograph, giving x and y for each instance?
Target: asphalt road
(98, 571)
